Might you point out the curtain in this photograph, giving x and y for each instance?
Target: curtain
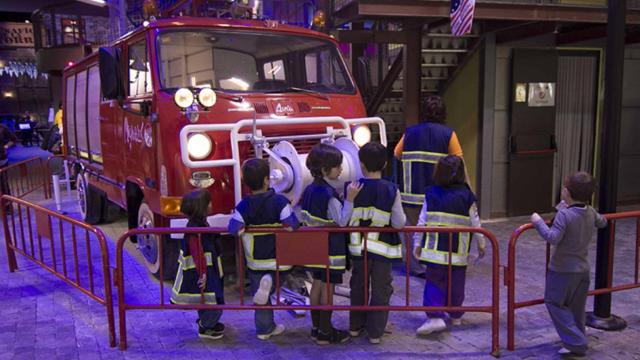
(575, 117)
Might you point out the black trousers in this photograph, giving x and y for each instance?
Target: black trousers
(381, 289)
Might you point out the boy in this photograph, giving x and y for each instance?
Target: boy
(267, 209)
(568, 277)
(377, 205)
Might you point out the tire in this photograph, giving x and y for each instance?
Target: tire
(149, 246)
(89, 200)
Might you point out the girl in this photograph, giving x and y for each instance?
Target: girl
(321, 206)
(449, 202)
(199, 278)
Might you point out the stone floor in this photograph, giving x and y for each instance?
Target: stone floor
(43, 317)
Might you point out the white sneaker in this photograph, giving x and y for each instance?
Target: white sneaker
(279, 329)
(262, 295)
(431, 325)
(564, 351)
(456, 322)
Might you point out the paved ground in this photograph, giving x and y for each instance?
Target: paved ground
(42, 317)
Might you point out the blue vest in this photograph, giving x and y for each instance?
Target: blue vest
(315, 204)
(447, 207)
(261, 210)
(424, 145)
(185, 288)
(372, 208)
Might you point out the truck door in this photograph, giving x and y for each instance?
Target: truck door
(139, 154)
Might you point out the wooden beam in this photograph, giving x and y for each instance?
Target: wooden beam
(580, 34)
(486, 10)
(525, 31)
(386, 85)
(371, 36)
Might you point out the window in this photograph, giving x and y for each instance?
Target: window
(139, 69)
(93, 103)
(274, 70)
(81, 114)
(69, 112)
(324, 72)
(72, 31)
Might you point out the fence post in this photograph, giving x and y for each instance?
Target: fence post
(11, 255)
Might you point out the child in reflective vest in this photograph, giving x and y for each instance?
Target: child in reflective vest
(320, 206)
(263, 208)
(377, 205)
(199, 278)
(567, 283)
(449, 202)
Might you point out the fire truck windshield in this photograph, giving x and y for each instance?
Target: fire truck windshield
(249, 61)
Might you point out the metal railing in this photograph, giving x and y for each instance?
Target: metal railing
(25, 177)
(285, 258)
(55, 243)
(510, 271)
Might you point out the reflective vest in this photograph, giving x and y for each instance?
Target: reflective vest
(185, 288)
(447, 207)
(424, 145)
(372, 208)
(261, 210)
(315, 204)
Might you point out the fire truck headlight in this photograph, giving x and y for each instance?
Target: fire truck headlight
(183, 98)
(361, 135)
(199, 146)
(207, 97)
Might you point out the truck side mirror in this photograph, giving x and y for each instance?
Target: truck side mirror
(111, 79)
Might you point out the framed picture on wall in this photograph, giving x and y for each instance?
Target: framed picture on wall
(542, 94)
(521, 92)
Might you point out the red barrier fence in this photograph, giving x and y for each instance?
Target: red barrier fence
(27, 227)
(510, 272)
(284, 241)
(25, 177)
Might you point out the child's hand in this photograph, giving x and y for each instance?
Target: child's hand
(202, 282)
(240, 232)
(288, 228)
(481, 253)
(536, 218)
(416, 253)
(352, 190)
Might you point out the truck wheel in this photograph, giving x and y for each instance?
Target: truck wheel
(89, 201)
(150, 249)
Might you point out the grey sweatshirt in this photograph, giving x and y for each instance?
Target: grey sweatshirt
(570, 235)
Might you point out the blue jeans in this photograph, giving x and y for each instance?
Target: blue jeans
(263, 318)
(209, 318)
(435, 289)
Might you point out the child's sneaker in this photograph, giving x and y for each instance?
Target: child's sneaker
(374, 341)
(279, 329)
(431, 325)
(335, 337)
(456, 322)
(215, 333)
(314, 334)
(261, 296)
(356, 332)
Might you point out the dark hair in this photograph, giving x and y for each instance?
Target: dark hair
(195, 204)
(580, 185)
(323, 157)
(449, 171)
(373, 156)
(434, 109)
(254, 171)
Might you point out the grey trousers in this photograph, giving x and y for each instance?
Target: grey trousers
(413, 213)
(565, 296)
(381, 289)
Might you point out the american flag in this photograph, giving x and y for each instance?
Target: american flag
(461, 16)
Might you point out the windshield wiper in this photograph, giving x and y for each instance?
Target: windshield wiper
(301, 90)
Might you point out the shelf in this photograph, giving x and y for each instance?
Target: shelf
(441, 35)
(439, 65)
(444, 51)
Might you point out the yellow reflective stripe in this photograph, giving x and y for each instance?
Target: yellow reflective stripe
(406, 175)
(442, 258)
(248, 243)
(187, 262)
(417, 199)
(422, 156)
(378, 217)
(374, 246)
(311, 220)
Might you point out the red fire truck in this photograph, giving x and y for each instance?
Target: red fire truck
(180, 103)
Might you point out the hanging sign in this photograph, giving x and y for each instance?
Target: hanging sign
(542, 94)
(15, 34)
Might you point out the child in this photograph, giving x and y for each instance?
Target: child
(377, 205)
(200, 271)
(321, 207)
(267, 209)
(450, 203)
(568, 277)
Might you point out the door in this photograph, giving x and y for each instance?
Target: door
(532, 131)
(137, 130)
